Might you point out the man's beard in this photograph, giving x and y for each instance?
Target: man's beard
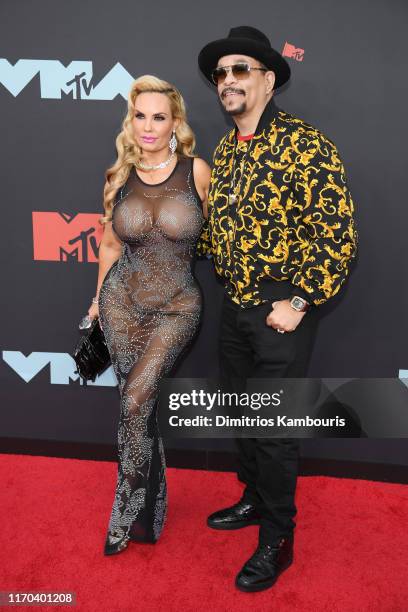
(237, 111)
(240, 109)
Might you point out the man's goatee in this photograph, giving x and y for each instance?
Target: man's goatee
(237, 111)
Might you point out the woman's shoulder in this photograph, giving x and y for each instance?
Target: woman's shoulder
(201, 172)
(200, 167)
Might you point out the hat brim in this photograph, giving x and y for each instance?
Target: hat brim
(211, 53)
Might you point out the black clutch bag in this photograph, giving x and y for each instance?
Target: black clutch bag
(91, 354)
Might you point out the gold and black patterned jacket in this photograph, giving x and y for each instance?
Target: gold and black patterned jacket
(293, 218)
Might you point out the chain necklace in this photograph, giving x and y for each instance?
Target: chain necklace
(160, 166)
(233, 197)
(234, 189)
(233, 200)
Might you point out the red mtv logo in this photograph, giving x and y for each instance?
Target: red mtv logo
(65, 237)
(291, 51)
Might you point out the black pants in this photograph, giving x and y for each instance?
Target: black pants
(251, 349)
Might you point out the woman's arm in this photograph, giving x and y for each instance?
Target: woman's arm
(202, 175)
(110, 249)
(202, 178)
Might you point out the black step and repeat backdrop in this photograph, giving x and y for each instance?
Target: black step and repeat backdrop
(65, 70)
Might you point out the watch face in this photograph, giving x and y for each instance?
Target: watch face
(298, 303)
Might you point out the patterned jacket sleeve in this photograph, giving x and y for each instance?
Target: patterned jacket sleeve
(327, 212)
(204, 247)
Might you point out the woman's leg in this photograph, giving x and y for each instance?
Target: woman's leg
(139, 506)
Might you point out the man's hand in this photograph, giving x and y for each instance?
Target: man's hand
(284, 317)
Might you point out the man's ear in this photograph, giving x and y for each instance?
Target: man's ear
(270, 81)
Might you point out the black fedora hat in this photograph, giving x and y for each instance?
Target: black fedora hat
(248, 41)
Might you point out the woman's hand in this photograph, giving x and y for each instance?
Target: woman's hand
(93, 311)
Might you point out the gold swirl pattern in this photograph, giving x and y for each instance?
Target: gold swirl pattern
(294, 215)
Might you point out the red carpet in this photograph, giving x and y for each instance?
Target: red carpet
(351, 543)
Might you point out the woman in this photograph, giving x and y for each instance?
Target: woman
(147, 299)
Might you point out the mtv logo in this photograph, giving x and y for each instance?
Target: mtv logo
(403, 376)
(62, 368)
(63, 237)
(293, 52)
(75, 79)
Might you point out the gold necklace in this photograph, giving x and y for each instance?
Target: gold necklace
(232, 194)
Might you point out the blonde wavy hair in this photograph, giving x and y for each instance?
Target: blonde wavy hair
(129, 153)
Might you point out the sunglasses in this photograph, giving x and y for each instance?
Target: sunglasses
(240, 71)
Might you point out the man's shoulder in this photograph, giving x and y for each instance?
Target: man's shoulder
(295, 125)
(225, 140)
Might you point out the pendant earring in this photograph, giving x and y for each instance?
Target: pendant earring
(173, 142)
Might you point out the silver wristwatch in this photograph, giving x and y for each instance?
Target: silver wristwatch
(299, 304)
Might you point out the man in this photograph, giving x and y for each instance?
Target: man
(281, 232)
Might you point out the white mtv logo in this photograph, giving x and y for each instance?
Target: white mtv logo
(403, 375)
(74, 79)
(62, 368)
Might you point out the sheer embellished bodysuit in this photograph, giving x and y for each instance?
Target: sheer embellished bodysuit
(149, 307)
